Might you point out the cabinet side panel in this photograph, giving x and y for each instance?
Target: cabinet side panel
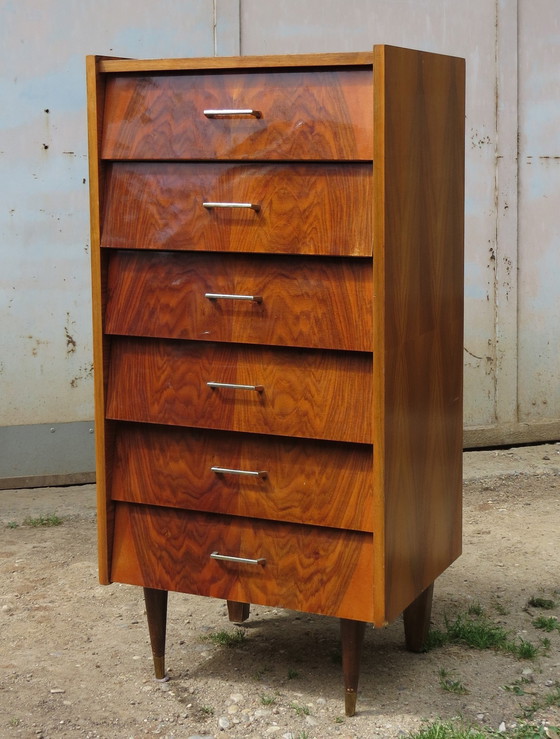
(419, 173)
(95, 95)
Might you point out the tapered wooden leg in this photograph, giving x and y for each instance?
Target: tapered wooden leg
(352, 639)
(417, 620)
(238, 612)
(156, 611)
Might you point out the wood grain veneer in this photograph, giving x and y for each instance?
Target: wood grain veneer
(310, 394)
(307, 568)
(306, 115)
(418, 320)
(320, 483)
(304, 208)
(304, 302)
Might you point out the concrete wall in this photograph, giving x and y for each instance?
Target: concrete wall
(512, 332)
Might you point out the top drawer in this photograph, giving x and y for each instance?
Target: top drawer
(299, 115)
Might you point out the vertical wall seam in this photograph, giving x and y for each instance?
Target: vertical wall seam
(507, 215)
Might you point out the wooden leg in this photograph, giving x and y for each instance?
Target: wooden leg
(352, 639)
(417, 620)
(238, 612)
(156, 611)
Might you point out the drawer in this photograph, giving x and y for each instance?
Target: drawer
(296, 114)
(296, 301)
(298, 392)
(302, 481)
(298, 208)
(305, 568)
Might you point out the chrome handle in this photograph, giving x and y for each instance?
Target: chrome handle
(243, 560)
(258, 388)
(253, 206)
(224, 296)
(232, 113)
(250, 473)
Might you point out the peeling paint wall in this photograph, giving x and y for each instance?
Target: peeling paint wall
(512, 47)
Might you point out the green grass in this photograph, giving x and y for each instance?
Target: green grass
(449, 684)
(292, 674)
(545, 603)
(227, 638)
(447, 730)
(475, 609)
(546, 623)
(268, 700)
(552, 698)
(300, 710)
(12, 525)
(51, 519)
(477, 631)
(458, 730)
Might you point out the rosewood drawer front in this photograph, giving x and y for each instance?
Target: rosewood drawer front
(285, 301)
(305, 568)
(288, 392)
(279, 208)
(301, 115)
(302, 481)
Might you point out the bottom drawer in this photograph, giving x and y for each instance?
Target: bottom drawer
(304, 568)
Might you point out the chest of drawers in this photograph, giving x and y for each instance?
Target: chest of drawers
(277, 260)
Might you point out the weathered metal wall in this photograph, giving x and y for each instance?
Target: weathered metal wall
(449, 27)
(539, 212)
(512, 47)
(45, 307)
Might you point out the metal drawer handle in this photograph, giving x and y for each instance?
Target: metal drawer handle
(243, 560)
(250, 473)
(224, 296)
(252, 206)
(233, 386)
(232, 113)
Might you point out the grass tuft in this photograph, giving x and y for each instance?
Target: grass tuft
(51, 519)
(449, 684)
(546, 623)
(227, 638)
(479, 632)
(545, 603)
(300, 710)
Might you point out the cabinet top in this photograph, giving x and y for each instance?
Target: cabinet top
(109, 64)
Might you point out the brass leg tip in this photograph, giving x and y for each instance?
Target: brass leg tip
(159, 669)
(350, 702)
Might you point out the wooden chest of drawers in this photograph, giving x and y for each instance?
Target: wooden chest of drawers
(277, 253)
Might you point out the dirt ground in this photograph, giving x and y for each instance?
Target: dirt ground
(75, 658)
